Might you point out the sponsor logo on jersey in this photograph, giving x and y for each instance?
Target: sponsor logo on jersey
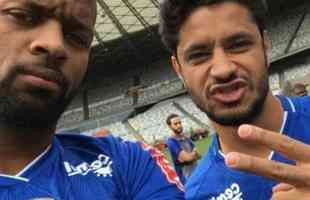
(164, 165)
(102, 167)
(231, 193)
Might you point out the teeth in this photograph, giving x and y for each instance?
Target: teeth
(228, 89)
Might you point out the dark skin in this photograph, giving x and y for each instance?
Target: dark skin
(47, 46)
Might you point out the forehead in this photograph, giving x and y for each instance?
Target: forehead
(175, 120)
(83, 10)
(300, 87)
(218, 20)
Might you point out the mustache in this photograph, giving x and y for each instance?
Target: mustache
(44, 72)
(233, 81)
(234, 84)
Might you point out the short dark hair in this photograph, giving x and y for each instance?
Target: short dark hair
(173, 13)
(171, 116)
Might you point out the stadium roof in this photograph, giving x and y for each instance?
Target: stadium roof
(126, 34)
(119, 18)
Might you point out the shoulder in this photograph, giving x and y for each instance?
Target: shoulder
(205, 173)
(114, 147)
(298, 125)
(171, 142)
(171, 139)
(300, 104)
(136, 167)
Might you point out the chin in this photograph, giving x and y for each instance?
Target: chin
(30, 113)
(238, 115)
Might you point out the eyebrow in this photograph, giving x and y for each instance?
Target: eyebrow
(239, 35)
(78, 25)
(73, 21)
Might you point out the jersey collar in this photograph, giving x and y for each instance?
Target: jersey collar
(44, 161)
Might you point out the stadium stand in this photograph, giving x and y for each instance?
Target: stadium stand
(108, 88)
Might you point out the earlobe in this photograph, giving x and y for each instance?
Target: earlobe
(177, 68)
(267, 41)
(175, 65)
(267, 47)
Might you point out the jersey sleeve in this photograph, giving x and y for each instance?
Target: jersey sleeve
(174, 149)
(149, 174)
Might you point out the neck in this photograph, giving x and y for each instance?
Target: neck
(180, 135)
(271, 118)
(18, 147)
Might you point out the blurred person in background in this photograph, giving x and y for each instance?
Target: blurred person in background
(300, 89)
(182, 149)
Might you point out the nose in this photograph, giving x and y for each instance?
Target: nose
(222, 68)
(49, 41)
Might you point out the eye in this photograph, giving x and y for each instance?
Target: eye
(23, 16)
(198, 57)
(239, 46)
(78, 39)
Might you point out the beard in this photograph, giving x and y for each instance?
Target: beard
(40, 111)
(237, 114)
(178, 131)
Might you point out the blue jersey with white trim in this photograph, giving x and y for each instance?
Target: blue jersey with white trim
(80, 168)
(175, 146)
(213, 180)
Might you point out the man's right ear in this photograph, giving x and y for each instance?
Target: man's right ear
(176, 66)
(267, 40)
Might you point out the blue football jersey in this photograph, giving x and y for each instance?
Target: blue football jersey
(175, 146)
(213, 180)
(83, 168)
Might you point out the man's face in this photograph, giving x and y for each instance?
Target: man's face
(300, 91)
(176, 125)
(221, 57)
(45, 49)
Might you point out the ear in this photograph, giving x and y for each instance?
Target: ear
(267, 41)
(176, 67)
(267, 46)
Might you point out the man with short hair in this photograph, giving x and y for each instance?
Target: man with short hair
(45, 51)
(300, 89)
(182, 149)
(219, 50)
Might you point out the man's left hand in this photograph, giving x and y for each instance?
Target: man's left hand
(294, 180)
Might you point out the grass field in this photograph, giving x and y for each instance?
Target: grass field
(201, 145)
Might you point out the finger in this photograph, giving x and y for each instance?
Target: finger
(294, 175)
(282, 187)
(290, 148)
(295, 194)
(284, 196)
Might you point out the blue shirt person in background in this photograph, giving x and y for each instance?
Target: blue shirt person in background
(182, 149)
(219, 50)
(45, 52)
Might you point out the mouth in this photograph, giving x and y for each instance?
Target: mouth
(42, 78)
(229, 93)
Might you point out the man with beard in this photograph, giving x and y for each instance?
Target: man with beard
(45, 50)
(182, 149)
(219, 51)
(300, 89)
